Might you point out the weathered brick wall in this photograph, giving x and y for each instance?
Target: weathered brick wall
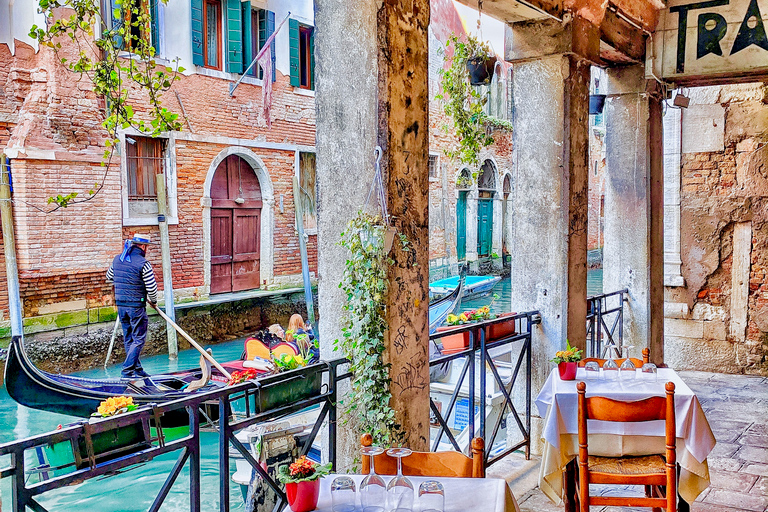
(596, 190)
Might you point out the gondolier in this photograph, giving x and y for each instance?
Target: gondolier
(135, 285)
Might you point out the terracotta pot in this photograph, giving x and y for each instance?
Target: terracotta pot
(567, 370)
(453, 342)
(502, 329)
(302, 496)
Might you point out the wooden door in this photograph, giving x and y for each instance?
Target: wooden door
(484, 226)
(461, 226)
(235, 227)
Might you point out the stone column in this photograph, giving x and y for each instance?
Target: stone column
(471, 223)
(372, 69)
(549, 223)
(633, 256)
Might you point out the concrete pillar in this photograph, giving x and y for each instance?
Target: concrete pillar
(472, 198)
(371, 68)
(498, 221)
(549, 196)
(633, 256)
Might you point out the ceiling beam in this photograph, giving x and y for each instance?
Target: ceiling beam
(622, 37)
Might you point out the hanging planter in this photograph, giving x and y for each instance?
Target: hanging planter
(596, 103)
(480, 69)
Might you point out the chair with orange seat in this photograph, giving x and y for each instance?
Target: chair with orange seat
(443, 464)
(637, 362)
(658, 473)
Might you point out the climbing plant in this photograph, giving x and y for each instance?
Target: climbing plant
(464, 104)
(119, 60)
(363, 325)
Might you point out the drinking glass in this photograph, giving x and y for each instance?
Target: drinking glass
(343, 494)
(431, 496)
(373, 490)
(592, 370)
(399, 489)
(610, 369)
(648, 372)
(627, 368)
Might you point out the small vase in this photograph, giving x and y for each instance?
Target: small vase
(303, 496)
(567, 370)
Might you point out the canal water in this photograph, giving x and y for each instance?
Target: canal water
(136, 489)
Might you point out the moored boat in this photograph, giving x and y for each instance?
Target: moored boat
(474, 286)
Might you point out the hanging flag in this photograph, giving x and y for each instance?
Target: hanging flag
(264, 59)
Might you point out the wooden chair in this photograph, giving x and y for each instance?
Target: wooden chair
(656, 472)
(445, 464)
(638, 363)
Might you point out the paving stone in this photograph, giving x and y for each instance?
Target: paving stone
(761, 487)
(737, 500)
(710, 507)
(752, 454)
(725, 450)
(740, 482)
(726, 435)
(758, 428)
(760, 441)
(536, 501)
(720, 464)
(755, 469)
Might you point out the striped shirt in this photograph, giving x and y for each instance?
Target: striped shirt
(147, 275)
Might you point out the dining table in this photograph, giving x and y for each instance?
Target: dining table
(558, 405)
(461, 494)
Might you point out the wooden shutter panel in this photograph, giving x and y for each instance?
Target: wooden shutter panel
(293, 37)
(197, 33)
(234, 37)
(312, 60)
(247, 35)
(154, 29)
(270, 31)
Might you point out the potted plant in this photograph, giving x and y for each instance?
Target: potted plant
(480, 61)
(502, 329)
(302, 483)
(567, 361)
(453, 343)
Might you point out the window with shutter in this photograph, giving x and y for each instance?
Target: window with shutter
(302, 46)
(266, 29)
(248, 33)
(198, 46)
(144, 160)
(211, 34)
(125, 14)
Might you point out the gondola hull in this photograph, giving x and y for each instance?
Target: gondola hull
(78, 396)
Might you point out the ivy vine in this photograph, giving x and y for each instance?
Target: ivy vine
(465, 104)
(365, 287)
(121, 59)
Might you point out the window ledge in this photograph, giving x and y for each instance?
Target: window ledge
(148, 221)
(232, 77)
(304, 92)
(434, 180)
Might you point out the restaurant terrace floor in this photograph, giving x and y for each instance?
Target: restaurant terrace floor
(737, 410)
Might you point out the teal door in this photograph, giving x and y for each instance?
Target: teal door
(484, 226)
(461, 226)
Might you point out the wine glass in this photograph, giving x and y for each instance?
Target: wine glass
(373, 490)
(592, 370)
(649, 372)
(627, 368)
(431, 496)
(343, 494)
(610, 368)
(400, 488)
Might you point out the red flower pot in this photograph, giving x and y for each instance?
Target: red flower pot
(567, 370)
(502, 329)
(453, 342)
(302, 496)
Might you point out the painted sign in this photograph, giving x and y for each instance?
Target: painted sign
(709, 39)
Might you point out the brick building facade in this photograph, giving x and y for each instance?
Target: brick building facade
(50, 127)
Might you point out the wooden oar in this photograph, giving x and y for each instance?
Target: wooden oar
(112, 342)
(192, 342)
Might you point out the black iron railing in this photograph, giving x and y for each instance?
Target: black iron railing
(483, 357)
(243, 398)
(605, 321)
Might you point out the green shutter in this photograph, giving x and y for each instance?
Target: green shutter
(114, 18)
(197, 33)
(270, 31)
(234, 37)
(293, 35)
(266, 29)
(312, 60)
(154, 29)
(247, 35)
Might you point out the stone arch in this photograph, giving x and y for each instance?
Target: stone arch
(266, 262)
(487, 177)
(464, 179)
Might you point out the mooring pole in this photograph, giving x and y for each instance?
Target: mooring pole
(9, 248)
(304, 258)
(165, 251)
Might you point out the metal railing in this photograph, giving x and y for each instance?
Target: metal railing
(243, 398)
(485, 354)
(605, 321)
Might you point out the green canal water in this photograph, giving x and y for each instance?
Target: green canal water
(136, 489)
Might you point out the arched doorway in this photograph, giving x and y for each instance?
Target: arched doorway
(486, 190)
(236, 204)
(463, 184)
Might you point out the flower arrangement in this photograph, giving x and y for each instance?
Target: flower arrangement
(238, 377)
(303, 470)
(569, 355)
(115, 405)
(285, 362)
(474, 315)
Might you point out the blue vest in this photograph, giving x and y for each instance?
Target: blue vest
(129, 283)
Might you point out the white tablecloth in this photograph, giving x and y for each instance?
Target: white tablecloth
(461, 494)
(558, 404)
